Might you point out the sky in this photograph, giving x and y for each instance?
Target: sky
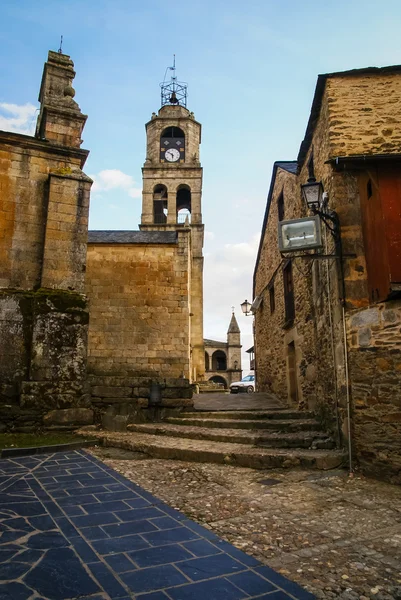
(251, 69)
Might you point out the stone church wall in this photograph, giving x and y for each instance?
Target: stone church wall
(44, 204)
(139, 323)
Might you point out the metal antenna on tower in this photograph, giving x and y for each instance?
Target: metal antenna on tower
(60, 50)
(173, 92)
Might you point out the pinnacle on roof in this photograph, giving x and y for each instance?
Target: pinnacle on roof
(233, 328)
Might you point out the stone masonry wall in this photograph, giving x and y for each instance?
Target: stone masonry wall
(43, 366)
(364, 113)
(44, 205)
(374, 337)
(139, 327)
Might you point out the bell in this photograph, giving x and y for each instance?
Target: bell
(173, 99)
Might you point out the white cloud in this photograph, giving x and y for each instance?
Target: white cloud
(17, 118)
(111, 179)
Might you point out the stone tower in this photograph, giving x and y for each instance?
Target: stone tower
(234, 345)
(171, 201)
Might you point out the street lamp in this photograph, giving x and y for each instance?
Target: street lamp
(312, 193)
(246, 308)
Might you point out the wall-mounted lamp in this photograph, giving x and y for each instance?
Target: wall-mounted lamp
(299, 234)
(246, 308)
(312, 193)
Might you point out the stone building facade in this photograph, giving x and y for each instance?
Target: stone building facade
(223, 359)
(44, 204)
(96, 327)
(327, 332)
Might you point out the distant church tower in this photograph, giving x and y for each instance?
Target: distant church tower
(234, 345)
(172, 190)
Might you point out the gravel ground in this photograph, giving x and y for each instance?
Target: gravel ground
(337, 536)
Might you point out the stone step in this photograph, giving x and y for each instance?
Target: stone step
(241, 455)
(272, 424)
(284, 414)
(260, 438)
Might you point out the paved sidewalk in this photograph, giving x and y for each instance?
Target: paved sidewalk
(71, 527)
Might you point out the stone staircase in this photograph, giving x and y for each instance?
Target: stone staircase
(260, 439)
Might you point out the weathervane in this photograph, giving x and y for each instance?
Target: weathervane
(60, 50)
(173, 92)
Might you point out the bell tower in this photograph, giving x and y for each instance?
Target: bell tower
(171, 194)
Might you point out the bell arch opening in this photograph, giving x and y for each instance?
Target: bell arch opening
(183, 203)
(160, 198)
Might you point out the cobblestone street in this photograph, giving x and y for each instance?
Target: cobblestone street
(338, 537)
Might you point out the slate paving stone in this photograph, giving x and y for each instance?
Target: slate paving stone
(14, 591)
(251, 583)
(139, 514)
(283, 582)
(116, 495)
(25, 509)
(84, 551)
(124, 544)
(159, 556)
(154, 596)
(30, 556)
(138, 503)
(99, 507)
(210, 566)
(60, 575)
(153, 578)
(96, 519)
(8, 554)
(120, 563)
(12, 570)
(201, 548)
(94, 533)
(71, 528)
(48, 539)
(123, 529)
(180, 534)
(77, 500)
(107, 580)
(275, 596)
(214, 589)
(43, 523)
(18, 523)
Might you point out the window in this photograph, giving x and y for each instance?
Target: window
(272, 298)
(280, 207)
(288, 294)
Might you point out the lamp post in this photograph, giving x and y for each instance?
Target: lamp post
(246, 308)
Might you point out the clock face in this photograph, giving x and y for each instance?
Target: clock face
(172, 155)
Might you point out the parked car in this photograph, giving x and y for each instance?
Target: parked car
(247, 384)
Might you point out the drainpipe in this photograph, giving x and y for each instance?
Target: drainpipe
(339, 253)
